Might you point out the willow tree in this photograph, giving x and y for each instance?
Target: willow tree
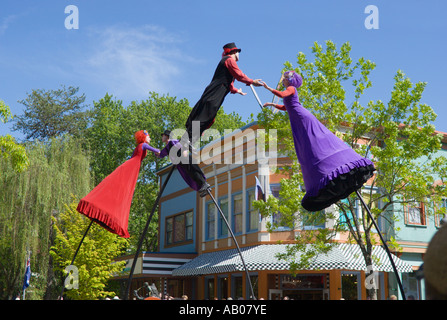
(398, 135)
(28, 200)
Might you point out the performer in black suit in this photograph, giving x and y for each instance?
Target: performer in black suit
(206, 108)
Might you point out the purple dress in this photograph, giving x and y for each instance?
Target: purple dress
(190, 172)
(331, 169)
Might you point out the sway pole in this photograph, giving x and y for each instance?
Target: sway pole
(235, 241)
(76, 253)
(256, 95)
(384, 244)
(140, 244)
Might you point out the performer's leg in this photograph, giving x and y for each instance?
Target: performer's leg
(193, 170)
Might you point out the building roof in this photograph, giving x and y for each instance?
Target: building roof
(264, 257)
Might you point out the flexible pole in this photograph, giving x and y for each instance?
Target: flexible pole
(76, 253)
(256, 95)
(235, 241)
(385, 245)
(140, 244)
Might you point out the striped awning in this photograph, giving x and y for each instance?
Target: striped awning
(264, 257)
(159, 265)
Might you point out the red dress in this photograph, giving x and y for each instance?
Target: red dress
(108, 204)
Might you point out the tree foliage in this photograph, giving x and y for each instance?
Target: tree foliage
(70, 151)
(28, 199)
(110, 138)
(95, 259)
(9, 148)
(399, 136)
(52, 113)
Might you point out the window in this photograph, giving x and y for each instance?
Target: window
(223, 229)
(350, 285)
(237, 213)
(236, 286)
(222, 287)
(415, 213)
(440, 210)
(314, 220)
(253, 214)
(210, 220)
(343, 219)
(209, 288)
(179, 228)
(277, 217)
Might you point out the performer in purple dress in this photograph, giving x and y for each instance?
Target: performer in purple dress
(331, 169)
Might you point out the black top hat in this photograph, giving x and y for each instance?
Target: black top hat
(230, 48)
(166, 133)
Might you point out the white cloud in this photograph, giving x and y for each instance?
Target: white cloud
(5, 22)
(133, 61)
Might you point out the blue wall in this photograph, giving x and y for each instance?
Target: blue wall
(174, 206)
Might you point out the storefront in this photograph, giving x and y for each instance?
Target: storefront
(335, 275)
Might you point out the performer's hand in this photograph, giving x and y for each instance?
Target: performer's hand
(241, 92)
(258, 83)
(267, 87)
(268, 104)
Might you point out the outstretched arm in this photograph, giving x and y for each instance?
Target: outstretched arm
(239, 76)
(150, 148)
(282, 94)
(236, 72)
(277, 106)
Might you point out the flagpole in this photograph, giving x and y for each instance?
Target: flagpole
(26, 270)
(26, 267)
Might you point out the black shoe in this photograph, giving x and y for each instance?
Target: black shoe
(204, 189)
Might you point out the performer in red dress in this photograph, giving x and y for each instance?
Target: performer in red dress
(108, 204)
(206, 108)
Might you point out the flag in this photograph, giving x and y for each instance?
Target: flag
(259, 191)
(27, 275)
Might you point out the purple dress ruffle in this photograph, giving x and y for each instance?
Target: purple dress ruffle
(331, 169)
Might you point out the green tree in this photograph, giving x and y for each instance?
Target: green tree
(28, 200)
(95, 260)
(111, 142)
(9, 148)
(399, 136)
(52, 113)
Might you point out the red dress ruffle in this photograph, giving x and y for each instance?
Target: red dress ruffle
(108, 204)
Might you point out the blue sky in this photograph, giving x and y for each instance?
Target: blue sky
(128, 48)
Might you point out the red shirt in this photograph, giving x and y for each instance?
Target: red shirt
(282, 94)
(237, 74)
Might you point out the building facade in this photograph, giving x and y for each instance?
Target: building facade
(197, 255)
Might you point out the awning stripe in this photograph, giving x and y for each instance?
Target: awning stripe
(263, 257)
(161, 265)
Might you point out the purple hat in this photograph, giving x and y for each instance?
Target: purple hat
(294, 78)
